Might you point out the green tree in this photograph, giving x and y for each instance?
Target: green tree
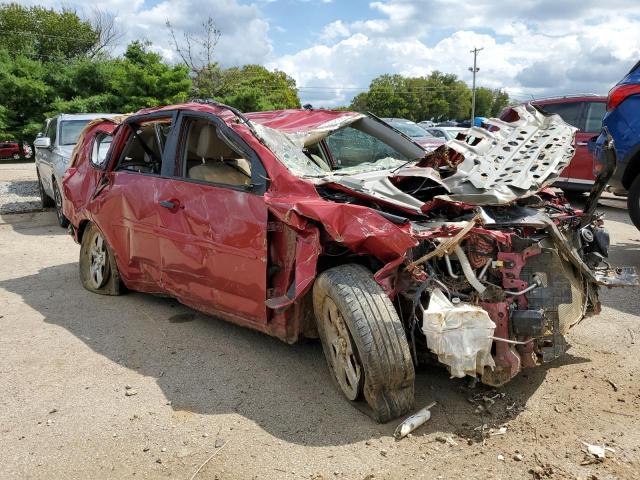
(500, 101)
(489, 103)
(484, 102)
(439, 96)
(254, 88)
(24, 94)
(45, 34)
(142, 79)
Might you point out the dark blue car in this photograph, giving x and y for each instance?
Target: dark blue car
(622, 122)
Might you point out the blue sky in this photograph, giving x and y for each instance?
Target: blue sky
(332, 48)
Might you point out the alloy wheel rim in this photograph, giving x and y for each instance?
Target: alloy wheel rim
(98, 257)
(344, 362)
(58, 200)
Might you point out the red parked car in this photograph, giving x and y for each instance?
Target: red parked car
(585, 112)
(329, 224)
(12, 150)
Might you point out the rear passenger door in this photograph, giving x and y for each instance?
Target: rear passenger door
(213, 242)
(130, 214)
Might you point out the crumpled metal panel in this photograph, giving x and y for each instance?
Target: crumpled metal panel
(304, 127)
(514, 161)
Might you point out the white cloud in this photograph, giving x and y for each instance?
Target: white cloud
(245, 37)
(335, 30)
(530, 48)
(537, 47)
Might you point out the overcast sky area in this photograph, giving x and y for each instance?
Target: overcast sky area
(334, 48)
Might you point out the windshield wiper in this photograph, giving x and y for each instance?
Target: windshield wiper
(403, 165)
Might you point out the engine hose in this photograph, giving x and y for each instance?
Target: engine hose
(468, 271)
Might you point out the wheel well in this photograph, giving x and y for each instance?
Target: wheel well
(81, 228)
(632, 170)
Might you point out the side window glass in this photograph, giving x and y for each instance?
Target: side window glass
(209, 157)
(351, 147)
(595, 112)
(437, 133)
(101, 145)
(570, 112)
(143, 150)
(52, 131)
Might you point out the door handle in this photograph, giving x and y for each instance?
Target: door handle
(168, 204)
(582, 144)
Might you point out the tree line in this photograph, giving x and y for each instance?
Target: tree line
(54, 61)
(437, 97)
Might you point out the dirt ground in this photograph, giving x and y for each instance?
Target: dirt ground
(200, 387)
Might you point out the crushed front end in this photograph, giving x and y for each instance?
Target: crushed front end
(495, 289)
(487, 267)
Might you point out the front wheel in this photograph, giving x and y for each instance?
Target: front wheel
(364, 341)
(633, 202)
(57, 197)
(16, 156)
(98, 269)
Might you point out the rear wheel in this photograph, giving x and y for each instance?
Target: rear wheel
(45, 200)
(57, 197)
(16, 156)
(364, 341)
(633, 202)
(98, 269)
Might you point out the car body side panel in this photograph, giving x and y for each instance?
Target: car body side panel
(82, 179)
(127, 212)
(214, 247)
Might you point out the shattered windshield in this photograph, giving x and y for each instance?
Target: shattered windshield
(351, 150)
(345, 151)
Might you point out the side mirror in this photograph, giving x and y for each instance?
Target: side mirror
(42, 142)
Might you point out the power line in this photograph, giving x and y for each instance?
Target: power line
(45, 35)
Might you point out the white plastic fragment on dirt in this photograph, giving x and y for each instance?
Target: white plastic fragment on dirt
(414, 421)
(459, 334)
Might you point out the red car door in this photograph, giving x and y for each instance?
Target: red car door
(213, 222)
(127, 199)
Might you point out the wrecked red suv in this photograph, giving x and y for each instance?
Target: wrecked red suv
(314, 223)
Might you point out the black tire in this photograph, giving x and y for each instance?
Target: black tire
(57, 200)
(109, 281)
(45, 200)
(633, 202)
(381, 346)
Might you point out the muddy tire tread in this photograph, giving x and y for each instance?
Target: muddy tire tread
(380, 340)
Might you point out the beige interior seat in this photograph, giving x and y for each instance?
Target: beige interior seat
(214, 152)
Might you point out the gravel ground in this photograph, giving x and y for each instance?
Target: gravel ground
(141, 387)
(18, 187)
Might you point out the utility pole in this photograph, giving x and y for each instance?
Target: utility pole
(474, 70)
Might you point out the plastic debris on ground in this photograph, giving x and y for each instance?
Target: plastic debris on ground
(414, 421)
